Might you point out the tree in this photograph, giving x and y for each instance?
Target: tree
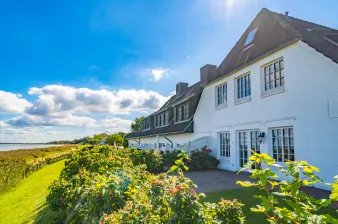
(118, 139)
(136, 125)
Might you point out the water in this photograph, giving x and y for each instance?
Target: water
(7, 147)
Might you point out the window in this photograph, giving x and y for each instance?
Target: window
(243, 86)
(274, 75)
(179, 117)
(182, 112)
(166, 117)
(221, 95)
(283, 144)
(185, 112)
(145, 124)
(224, 144)
(162, 119)
(250, 37)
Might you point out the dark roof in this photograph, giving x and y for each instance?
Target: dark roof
(274, 32)
(191, 94)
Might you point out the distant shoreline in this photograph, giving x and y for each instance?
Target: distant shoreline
(3, 143)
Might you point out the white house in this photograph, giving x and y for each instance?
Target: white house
(280, 80)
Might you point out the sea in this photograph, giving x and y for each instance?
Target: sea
(7, 147)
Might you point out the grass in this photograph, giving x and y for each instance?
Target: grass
(26, 202)
(245, 196)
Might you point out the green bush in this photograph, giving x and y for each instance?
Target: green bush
(301, 207)
(102, 184)
(152, 159)
(199, 159)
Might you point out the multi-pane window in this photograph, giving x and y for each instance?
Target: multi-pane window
(185, 111)
(182, 112)
(161, 119)
(243, 86)
(179, 115)
(145, 124)
(282, 144)
(224, 144)
(274, 75)
(221, 95)
(166, 117)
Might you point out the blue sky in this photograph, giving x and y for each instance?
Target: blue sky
(75, 68)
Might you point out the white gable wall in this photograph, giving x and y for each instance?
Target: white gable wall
(309, 104)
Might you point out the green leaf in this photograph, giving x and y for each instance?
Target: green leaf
(244, 183)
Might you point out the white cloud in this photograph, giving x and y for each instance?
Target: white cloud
(158, 73)
(58, 100)
(12, 103)
(69, 120)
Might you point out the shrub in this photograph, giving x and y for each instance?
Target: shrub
(170, 198)
(301, 208)
(114, 186)
(201, 160)
(152, 159)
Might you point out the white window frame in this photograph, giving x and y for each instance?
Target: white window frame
(246, 88)
(179, 113)
(224, 142)
(283, 143)
(278, 77)
(220, 96)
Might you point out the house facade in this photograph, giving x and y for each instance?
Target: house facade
(279, 81)
(276, 92)
(172, 126)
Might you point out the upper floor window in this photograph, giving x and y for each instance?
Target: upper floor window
(182, 112)
(243, 84)
(161, 119)
(145, 124)
(274, 75)
(221, 95)
(250, 37)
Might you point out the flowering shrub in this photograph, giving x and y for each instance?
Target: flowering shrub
(199, 159)
(172, 199)
(101, 184)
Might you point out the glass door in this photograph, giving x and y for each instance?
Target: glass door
(243, 148)
(247, 141)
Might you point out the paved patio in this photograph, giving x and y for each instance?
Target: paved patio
(216, 180)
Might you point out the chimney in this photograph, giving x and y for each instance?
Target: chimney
(206, 72)
(180, 88)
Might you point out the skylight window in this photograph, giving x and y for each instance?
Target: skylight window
(250, 37)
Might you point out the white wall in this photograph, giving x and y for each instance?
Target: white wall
(309, 104)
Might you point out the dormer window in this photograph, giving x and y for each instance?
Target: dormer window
(145, 124)
(161, 119)
(182, 112)
(250, 37)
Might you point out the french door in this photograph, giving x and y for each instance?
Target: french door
(247, 141)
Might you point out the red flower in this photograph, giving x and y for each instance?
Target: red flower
(179, 188)
(192, 191)
(172, 191)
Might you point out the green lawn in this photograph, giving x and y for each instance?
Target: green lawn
(245, 196)
(26, 203)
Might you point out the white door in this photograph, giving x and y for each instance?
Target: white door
(247, 141)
